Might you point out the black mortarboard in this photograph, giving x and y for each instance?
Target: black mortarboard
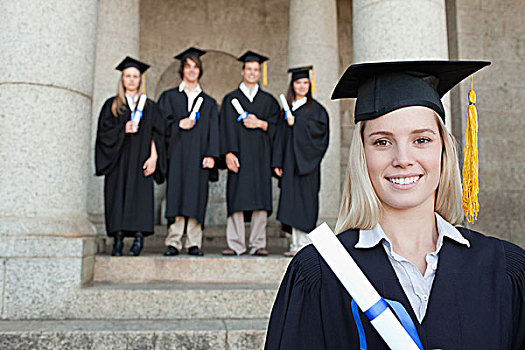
(131, 62)
(383, 87)
(300, 72)
(190, 52)
(250, 56)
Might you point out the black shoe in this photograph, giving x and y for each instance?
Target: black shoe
(171, 251)
(137, 245)
(195, 251)
(118, 244)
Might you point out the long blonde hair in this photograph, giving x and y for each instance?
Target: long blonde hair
(361, 208)
(119, 103)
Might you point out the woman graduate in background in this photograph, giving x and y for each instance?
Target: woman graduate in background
(401, 202)
(129, 152)
(299, 147)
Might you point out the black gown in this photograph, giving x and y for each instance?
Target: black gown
(298, 150)
(477, 299)
(251, 188)
(128, 194)
(187, 188)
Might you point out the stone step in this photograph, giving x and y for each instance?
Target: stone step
(184, 268)
(128, 334)
(171, 301)
(214, 240)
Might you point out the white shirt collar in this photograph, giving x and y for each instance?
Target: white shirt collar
(298, 103)
(247, 93)
(182, 87)
(370, 238)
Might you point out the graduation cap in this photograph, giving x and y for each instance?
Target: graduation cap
(383, 87)
(131, 62)
(250, 56)
(190, 52)
(303, 72)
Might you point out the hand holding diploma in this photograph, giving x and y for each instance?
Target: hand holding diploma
(237, 105)
(136, 116)
(286, 108)
(359, 287)
(130, 127)
(186, 123)
(195, 115)
(288, 116)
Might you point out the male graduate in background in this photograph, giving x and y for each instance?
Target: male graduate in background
(193, 146)
(246, 142)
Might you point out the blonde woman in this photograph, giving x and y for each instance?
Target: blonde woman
(129, 152)
(401, 202)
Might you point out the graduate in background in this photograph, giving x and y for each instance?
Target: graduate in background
(401, 202)
(246, 142)
(129, 152)
(193, 148)
(300, 145)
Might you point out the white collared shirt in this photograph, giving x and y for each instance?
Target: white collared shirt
(132, 101)
(191, 94)
(298, 103)
(249, 95)
(417, 287)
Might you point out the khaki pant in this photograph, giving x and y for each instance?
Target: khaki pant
(299, 240)
(236, 235)
(176, 230)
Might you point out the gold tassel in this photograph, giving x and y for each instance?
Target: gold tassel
(313, 80)
(265, 73)
(470, 163)
(144, 84)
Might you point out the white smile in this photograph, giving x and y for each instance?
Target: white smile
(404, 180)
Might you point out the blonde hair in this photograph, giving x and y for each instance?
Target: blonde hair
(361, 208)
(119, 102)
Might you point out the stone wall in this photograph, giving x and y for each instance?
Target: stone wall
(47, 244)
(344, 27)
(495, 30)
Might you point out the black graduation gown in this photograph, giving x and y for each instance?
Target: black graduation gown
(477, 299)
(187, 188)
(128, 194)
(251, 188)
(298, 150)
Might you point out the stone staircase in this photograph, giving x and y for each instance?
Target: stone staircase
(157, 302)
(213, 240)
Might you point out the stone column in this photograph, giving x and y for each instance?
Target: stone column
(389, 30)
(47, 50)
(117, 37)
(312, 40)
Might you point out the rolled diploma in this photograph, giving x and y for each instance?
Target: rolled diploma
(285, 106)
(359, 287)
(237, 105)
(137, 115)
(196, 108)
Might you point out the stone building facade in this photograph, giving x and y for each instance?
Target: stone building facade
(58, 60)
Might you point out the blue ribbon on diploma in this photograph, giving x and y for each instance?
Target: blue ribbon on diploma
(135, 114)
(242, 116)
(287, 114)
(197, 116)
(376, 310)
